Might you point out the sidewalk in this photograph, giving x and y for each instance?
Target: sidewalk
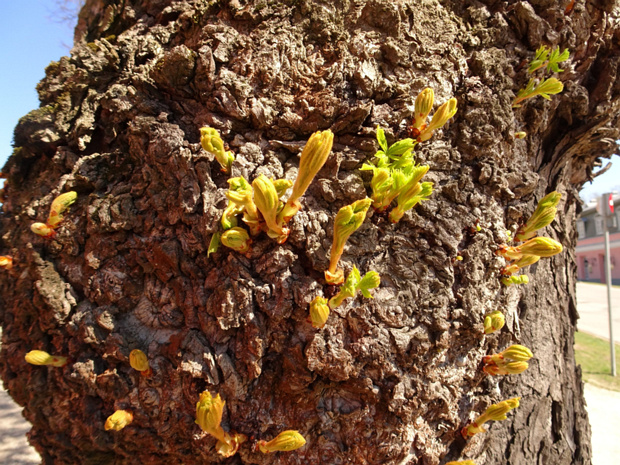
(14, 448)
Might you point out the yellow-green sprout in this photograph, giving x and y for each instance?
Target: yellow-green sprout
(6, 262)
(548, 87)
(543, 216)
(39, 357)
(313, 157)
(495, 412)
(539, 246)
(355, 283)
(414, 193)
(209, 411)
(462, 462)
(214, 243)
(59, 206)
(525, 260)
(494, 321)
(347, 221)
(118, 420)
(509, 362)
(212, 142)
(521, 279)
(241, 200)
(440, 118)
(423, 106)
(268, 203)
(520, 135)
(237, 239)
(319, 312)
(546, 57)
(285, 441)
(139, 362)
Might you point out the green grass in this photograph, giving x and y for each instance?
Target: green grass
(592, 353)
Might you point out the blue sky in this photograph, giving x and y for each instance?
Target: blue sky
(32, 37)
(30, 40)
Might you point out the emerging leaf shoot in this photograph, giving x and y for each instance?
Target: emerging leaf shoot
(494, 321)
(39, 357)
(237, 239)
(319, 312)
(543, 216)
(139, 362)
(355, 283)
(285, 441)
(212, 142)
(6, 262)
(495, 412)
(347, 221)
(313, 157)
(548, 87)
(118, 420)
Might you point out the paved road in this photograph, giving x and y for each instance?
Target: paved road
(592, 307)
(603, 406)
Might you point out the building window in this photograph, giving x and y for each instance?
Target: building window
(581, 229)
(598, 225)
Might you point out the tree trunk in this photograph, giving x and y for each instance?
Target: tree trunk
(390, 380)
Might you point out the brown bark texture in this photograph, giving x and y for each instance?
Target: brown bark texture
(389, 380)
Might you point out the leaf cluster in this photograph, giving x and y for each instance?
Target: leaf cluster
(396, 176)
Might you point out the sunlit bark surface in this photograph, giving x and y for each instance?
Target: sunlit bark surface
(390, 380)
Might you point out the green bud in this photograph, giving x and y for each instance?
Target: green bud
(423, 106)
(371, 280)
(521, 279)
(209, 412)
(543, 216)
(268, 203)
(285, 441)
(348, 289)
(319, 312)
(313, 157)
(494, 321)
(348, 220)
(520, 135)
(236, 239)
(541, 246)
(440, 118)
(517, 353)
(212, 142)
(214, 244)
(59, 206)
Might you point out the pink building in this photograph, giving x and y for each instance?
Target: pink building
(590, 249)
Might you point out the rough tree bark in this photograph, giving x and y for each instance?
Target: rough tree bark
(387, 381)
